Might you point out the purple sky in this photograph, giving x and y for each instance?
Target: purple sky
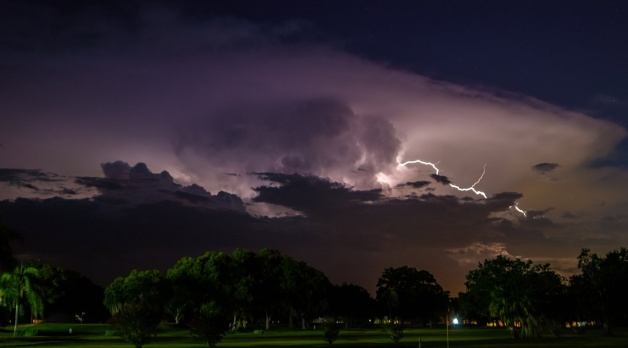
(303, 123)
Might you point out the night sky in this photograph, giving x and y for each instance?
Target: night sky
(135, 133)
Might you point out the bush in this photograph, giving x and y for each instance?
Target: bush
(136, 323)
(330, 332)
(395, 331)
(210, 324)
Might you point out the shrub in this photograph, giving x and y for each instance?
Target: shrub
(395, 331)
(136, 323)
(330, 332)
(210, 324)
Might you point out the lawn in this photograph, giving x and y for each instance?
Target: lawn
(57, 335)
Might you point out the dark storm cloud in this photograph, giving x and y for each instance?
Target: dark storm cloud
(380, 231)
(441, 179)
(506, 196)
(109, 239)
(138, 185)
(37, 183)
(544, 168)
(144, 220)
(137, 219)
(367, 215)
(116, 170)
(415, 184)
(25, 177)
(310, 194)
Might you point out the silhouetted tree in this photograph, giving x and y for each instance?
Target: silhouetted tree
(77, 295)
(49, 280)
(244, 274)
(582, 303)
(521, 292)
(210, 324)
(474, 306)
(136, 323)
(146, 287)
(268, 289)
(351, 302)
(195, 281)
(137, 305)
(608, 276)
(246, 283)
(410, 294)
(304, 289)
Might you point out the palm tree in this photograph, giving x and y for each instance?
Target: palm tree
(21, 284)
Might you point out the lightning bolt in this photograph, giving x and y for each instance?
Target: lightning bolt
(465, 189)
(433, 165)
(472, 187)
(516, 206)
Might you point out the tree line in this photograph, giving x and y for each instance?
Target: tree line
(217, 292)
(530, 298)
(237, 289)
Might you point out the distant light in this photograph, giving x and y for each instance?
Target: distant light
(455, 321)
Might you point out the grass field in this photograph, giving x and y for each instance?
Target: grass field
(90, 335)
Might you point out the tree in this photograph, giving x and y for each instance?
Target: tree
(210, 324)
(304, 289)
(147, 287)
(268, 288)
(77, 295)
(185, 285)
(351, 302)
(245, 283)
(608, 276)
(410, 294)
(49, 281)
(583, 306)
(195, 281)
(20, 284)
(244, 280)
(137, 305)
(136, 323)
(517, 292)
